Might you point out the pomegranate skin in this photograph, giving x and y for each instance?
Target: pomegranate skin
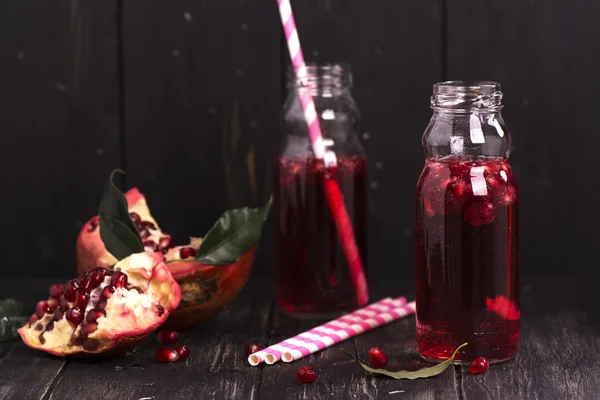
(206, 289)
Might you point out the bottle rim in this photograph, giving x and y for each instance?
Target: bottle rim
(467, 95)
(326, 74)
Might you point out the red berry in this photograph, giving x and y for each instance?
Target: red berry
(479, 212)
(81, 299)
(164, 354)
(183, 352)
(118, 280)
(252, 348)
(187, 252)
(306, 374)
(56, 291)
(167, 336)
(479, 365)
(42, 308)
(135, 217)
(70, 289)
(108, 291)
(85, 283)
(378, 358)
(75, 316)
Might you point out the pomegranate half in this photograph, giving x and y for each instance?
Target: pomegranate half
(104, 312)
(205, 289)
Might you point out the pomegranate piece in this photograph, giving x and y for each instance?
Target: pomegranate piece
(479, 212)
(252, 348)
(187, 252)
(306, 375)
(118, 280)
(183, 352)
(56, 291)
(96, 321)
(167, 336)
(479, 365)
(42, 309)
(166, 355)
(377, 357)
(75, 316)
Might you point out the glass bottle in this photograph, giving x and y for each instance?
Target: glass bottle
(313, 279)
(467, 263)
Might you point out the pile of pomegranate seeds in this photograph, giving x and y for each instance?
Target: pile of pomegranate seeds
(171, 355)
(378, 358)
(306, 374)
(479, 365)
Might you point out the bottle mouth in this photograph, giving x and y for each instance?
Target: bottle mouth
(466, 95)
(325, 75)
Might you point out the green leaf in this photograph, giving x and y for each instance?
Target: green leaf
(13, 315)
(117, 230)
(236, 232)
(426, 372)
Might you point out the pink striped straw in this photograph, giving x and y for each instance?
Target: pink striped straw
(334, 194)
(335, 331)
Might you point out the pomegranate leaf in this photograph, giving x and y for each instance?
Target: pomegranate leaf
(426, 372)
(13, 315)
(236, 232)
(117, 230)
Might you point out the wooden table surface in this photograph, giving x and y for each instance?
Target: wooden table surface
(559, 356)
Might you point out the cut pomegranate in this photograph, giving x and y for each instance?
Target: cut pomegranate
(187, 252)
(183, 352)
(479, 365)
(166, 355)
(252, 348)
(106, 318)
(377, 357)
(168, 336)
(306, 375)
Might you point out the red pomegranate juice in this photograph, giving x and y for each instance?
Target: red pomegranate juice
(313, 279)
(467, 260)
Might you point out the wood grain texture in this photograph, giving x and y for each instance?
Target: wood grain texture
(59, 124)
(217, 367)
(203, 106)
(559, 356)
(540, 52)
(394, 51)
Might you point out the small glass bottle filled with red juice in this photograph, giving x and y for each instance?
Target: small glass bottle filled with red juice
(467, 215)
(313, 278)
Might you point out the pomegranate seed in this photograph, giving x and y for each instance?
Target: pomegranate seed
(32, 320)
(151, 244)
(75, 316)
(166, 355)
(64, 304)
(135, 217)
(479, 365)
(139, 225)
(187, 252)
(88, 327)
(378, 358)
(160, 310)
(93, 315)
(165, 243)
(183, 352)
(148, 225)
(70, 289)
(118, 280)
(252, 348)
(306, 374)
(53, 304)
(93, 225)
(107, 292)
(96, 279)
(81, 299)
(42, 308)
(56, 291)
(167, 336)
(85, 283)
(58, 314)
(479, 212)
(144, 233)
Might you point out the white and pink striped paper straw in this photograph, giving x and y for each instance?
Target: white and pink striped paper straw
(335, 331)
(334, 193)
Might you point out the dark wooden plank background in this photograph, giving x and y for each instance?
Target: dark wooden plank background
(186, 96)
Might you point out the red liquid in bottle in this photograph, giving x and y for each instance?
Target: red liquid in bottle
(467, 260)
(313, 279)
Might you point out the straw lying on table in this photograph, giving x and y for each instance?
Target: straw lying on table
(335, 331)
